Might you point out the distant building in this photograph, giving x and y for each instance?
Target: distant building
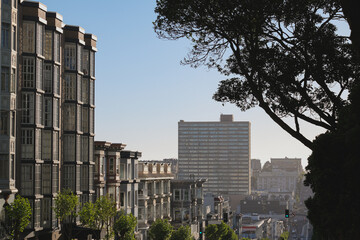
(217, 151)
(174, 165)
(255, 228)
(281, 175)
(187, 204)
(154, 193)
(255, 171)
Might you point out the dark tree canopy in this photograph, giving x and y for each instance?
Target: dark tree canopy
(284, 56)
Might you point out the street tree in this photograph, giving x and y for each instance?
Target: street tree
(18, 215)
(220, 232)
(284, 56)
(182, 233)
(161, 229)
(124, 226)
(66, 203)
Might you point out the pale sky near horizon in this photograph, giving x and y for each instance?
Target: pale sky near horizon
(142, 91)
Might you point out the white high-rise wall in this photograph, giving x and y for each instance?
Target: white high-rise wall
(218, 151)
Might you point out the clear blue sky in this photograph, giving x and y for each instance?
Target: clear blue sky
(142, 91)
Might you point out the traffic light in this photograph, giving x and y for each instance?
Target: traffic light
(286, 213)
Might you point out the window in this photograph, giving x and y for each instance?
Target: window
(111, 165)
(79, 58)
(69, 177)
(29, 37)
(122, 199)
(48, 45)
(91, 149)
(4, 123)
(122, 171)
(85, 120)
(85, 149)
(47, 78)
(70, 87)
(97, 165)
(46, 145)
(92, 63)
(4, 166)
(78, 119)
(69, 148)
(91, 177)
(85, 91)
(28, 72)
(4, 87)
(91, 120)
(12, 166)
(46, 212)
(85, 62)
(70, 56)
(27, 144)
(186, 194)
(27, 115)
(84, 186)
(129, 200)
(27, 177)
(177, 195)
(92, 92)
(47, 112)
(69, 113)
(5, 35)
(40, 39)
(46, 179)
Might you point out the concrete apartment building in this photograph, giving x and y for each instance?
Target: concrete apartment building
(218, 152)
(154, 194)
(47, 109)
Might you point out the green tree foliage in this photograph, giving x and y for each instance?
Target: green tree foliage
(66, 203)
(284, 236)
(124, 226)
(333, 174)
(99, 215)
(18, 215)
(183, 233)
(284, 56)
(161, 229)
(220, 232)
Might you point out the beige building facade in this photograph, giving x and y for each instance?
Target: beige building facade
(217, 151)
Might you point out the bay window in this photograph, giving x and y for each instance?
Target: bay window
(28, 72)
(29, 37)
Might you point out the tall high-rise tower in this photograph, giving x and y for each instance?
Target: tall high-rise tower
(218, 151)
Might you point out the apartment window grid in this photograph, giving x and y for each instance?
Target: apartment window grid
(27, 143)
(57, 46)
(69, 148)
(70, 86)
(40, 39)
(37, 213)
(46, 179)
(55, 178)
(48, 112)
(48, 45)
(91, 177)
(56, 110)
(4, 166)
(39, 73)
(5, 79)
(28, 72)
(39, 108)
(86, 62)
(46, 144)
(55, 148)
(46, 213)
(27, 115)
(13, 80)
(85, 149)
(48, 80)
(4, 123)
(69, 177)
(56, 80)
(27, 177)
(38, 182)
(5, 35)
(28, 37)
(84, 178)
(14, 38)
(70, 56)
